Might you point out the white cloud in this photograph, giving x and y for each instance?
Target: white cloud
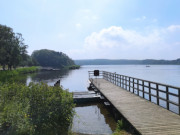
(154, 20)
(78, 25)
(94, 17)
(86, 16)
(61, 35)
(173, 28)
(116, 42)
(118, 37)
(145, 19)
(85, 10)
(177, 43)
(141, 18)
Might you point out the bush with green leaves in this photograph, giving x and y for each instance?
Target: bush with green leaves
(35, 109)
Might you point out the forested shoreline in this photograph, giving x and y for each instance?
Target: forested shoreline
(126, 62)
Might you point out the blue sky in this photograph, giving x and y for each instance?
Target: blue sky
(89, 29)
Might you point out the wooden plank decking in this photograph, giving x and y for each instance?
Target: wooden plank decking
(85, 97)
(148, 118)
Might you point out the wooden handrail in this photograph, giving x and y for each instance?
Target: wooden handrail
(143, 88)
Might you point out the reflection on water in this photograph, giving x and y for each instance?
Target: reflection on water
(49, 77)
(74, 80)
(93, 119)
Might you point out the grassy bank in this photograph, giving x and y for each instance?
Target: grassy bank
(10, 73)
(34, 109)
(72, 67)
(26, 70)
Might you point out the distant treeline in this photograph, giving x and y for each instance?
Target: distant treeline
(127, 62)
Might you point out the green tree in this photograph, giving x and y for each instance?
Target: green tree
(28, 61)
(12, 47)
(50, 58)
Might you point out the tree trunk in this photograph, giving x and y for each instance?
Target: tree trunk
(9, 67)
(14, 67)
(4, 67)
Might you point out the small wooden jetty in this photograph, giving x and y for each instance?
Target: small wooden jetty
(151, 108)
(86, 97)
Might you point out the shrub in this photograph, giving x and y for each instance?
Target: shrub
(35, 109)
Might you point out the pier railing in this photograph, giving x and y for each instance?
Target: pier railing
(163, 95)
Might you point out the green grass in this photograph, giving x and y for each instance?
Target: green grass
(5, 75)
(72, 67)
(27, 70)
(122, 132)
(121, 128)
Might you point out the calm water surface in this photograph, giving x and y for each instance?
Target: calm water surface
(76, 80)
(95, 119)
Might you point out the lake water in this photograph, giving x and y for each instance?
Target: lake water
(95, 118)
(77, 80)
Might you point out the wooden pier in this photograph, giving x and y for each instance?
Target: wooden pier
(151, 108)
(85, 97)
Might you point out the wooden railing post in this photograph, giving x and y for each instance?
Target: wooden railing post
(138, 87)
(179, 99)
(129, 83)
(123, 81)
(126, 82)
(133, 85)
(111, 77)
(143, 88)
(106, 76)
(149, 91)
(167, 97)
(104, 73)
(120, 80)
(114, 78)
(157, 93)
